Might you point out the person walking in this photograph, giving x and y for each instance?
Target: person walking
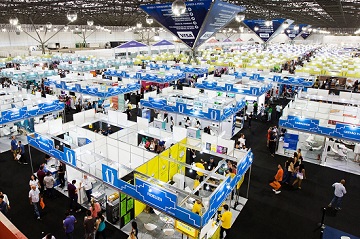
(49, 184)
(21, 152)
(100, 226)
(134, 229)
(339, 193)
(73, 195)
(226, 223)
(89, 225)
(87, 185)
(34, 181)
(277, 179)
(14, 147)
(250, 119)
(270, 110)
(34, 197)
(69, 225)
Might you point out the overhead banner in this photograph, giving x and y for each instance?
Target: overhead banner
(292, 31)
(266, 33)
(200, 21)
(47, 146)
(305, 34)
(220, 14)
(187, 26)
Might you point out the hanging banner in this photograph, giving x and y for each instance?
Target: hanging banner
(294, 30)
(187, 26)
(305, 35)
(220, 15)
(265, 33)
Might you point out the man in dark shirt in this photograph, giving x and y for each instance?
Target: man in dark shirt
(22, 159)
(41, 175)
(73, 195)
(3, 205)
(14, 147)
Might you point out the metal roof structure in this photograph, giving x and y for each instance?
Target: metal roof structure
(318, 13)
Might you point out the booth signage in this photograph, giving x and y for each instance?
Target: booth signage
(217, 199)
(23, 113)
(305, 34)
(263, 31)
(94, 91)
(252, 91)
(291, 141)
(182, 227)
(156, 197)
(220, 15)
(345, 131)
(187, 26)
(292, 33)
(47, 145)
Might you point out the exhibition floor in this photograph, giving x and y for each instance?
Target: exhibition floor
(291, 214)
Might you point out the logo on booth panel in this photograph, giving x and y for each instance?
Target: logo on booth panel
(206, 35)
(213, 114)
(180, 108)
(186, 35)
(229, 87)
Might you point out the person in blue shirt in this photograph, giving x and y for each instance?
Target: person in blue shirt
(21, 151)
(14, 147)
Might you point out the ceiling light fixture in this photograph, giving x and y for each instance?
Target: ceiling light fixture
(90, 23)
(149, 20)
(285, 24)
(71, 16)
(256, 28)
(268, 23)
(240, 17)
(48, 25)
(296, 27)
(14, 21)
(98, 27)
(178, 7)
(139, 25)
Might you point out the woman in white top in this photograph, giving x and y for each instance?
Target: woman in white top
(34, 181)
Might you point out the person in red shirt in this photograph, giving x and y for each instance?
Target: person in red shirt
(277, 179)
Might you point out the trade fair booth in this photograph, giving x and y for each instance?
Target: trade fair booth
(121, 171)
(230, 85)
(327, 134)
(130, 49)
(196, 110)
(20, 112)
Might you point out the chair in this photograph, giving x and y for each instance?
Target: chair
(169, 232)
(339, 152)
(150, 227)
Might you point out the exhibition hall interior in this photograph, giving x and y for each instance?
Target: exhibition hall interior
(202, 119)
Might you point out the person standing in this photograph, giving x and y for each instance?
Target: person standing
(255, 109)
(277, 179)
(200, 165)
(339, 193)
(61, 173)
(49, 184)
(272, 143)
(226, 222)
(21, 152)
(89, 225)
(5, 198)
(41, 175)
(242, 140)
(95, 208)
(278, 109)
(14, 147)
(3, 205)
(34, 197)
(73, 195)
(270, 109)
(100, 227)
(87, 185)
(69, 225)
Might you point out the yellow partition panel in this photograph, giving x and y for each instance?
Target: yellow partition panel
(142, 168)
(153, 167)
(163, 169)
